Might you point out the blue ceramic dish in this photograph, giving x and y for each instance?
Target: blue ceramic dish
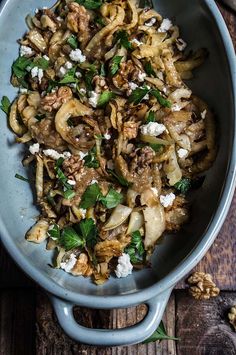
(202, 26)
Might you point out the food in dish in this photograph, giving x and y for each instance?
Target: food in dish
(115, 136)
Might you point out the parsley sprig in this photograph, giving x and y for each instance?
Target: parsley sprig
(115, 64)
(159, 335)
(73, 41)
(136, 249)
(91, 160)
(122, 37)
(90, 4)
(104, 98)
(5, 105)
(184, 185)
(93, 194)
(68, 192)
(138, 95)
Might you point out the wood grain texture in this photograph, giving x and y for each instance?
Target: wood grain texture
(17, 322)
(207, 331)
(51, 340)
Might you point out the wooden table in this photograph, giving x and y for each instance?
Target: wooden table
(28, 325)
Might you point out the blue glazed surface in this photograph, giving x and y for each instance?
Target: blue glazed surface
(201, 26)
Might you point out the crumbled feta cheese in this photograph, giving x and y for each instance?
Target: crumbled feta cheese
(93, 99)
(107, 136)
(151, 22)
(124, 266)
(34, 148)
(94, 181)
(60, 19)
(25, 50)
(82, 91)
(152, 129)
(83, 212)
(68, 65)
(110, 165)
(133, 86)
(51, 153)
(164, 90)
(146, 97)
(71, 182)
(154, 190)
(136, 41)
(78, 74)
(23, 90)
(181, 44)
(167, 200)
(69, 264)
(37, 72)
(45, 57)
(182, 153)
(77, 56)
(176, 108)
(82, 155)
(141, 76)
(62, 72)
(36, 11)
(203, 114)
(165, 25)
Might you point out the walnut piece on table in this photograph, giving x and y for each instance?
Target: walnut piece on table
(232, 317)
(202, 287)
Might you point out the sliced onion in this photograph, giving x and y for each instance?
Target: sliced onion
(131, 197)
(155, 140)
(155, 225)
(38, 233)
(136, 221)
(118, 216)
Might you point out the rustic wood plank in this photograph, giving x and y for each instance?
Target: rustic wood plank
(220, 261)
(17, 322)
(51, 340)
(203, 325)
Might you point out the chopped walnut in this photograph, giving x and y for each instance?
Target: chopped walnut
(130, 129)
(101, 274)
(78, 21)
(232, 317)
(82, 266)
(127, 72)
(72, 164)
(54, 100)
(203, 287)
(105, 251)
(100, 84)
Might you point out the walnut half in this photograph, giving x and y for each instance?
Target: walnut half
(232, 316)
(202, 286)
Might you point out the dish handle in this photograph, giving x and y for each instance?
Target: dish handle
(111, 337)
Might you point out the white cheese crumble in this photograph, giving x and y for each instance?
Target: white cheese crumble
(141, 76)
(93, 99)
(46, 57)
(124, 266)
(36, 11)
(78, 74)
(152, 129)
(37, 72)
(176, 108)
(181, 44)
(77, 56)
(182, 153)
(94, 181)
(71, 182)
(82, 91)
(133, 86)
(203, 114)
(165, 25)
(23, 90)
(83, 212)
(167, 200)
(34, 148)
(82, 155)
(68, 65)
(136, 41)
(110, 165)
(69, 264)
(107, 136)
(62, 72)
(151, 22)
(51, 153)
(25, 50)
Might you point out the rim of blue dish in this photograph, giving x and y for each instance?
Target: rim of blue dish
(124, 300)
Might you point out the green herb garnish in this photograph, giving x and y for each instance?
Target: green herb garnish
(5, 105)
(104, 98)
(69, 239)
(40, 117)
(136, 249)
(100, 21)
(149, 69)
(69, 77)
(41, 63)
(102, 70)
(88, 77)
(151, 117)
(162, 101)
(91, 160)
(122, 181)
(19, 67)
(184, 185)
(73, 41)
(122, 36)
(138, 94)
(159, 334)
(69, 194)
(115, 64)
(90, 4)
(156, 147)
(20, 177)
(54, 232)
(112, 199)
(88, 230)
(90, 196)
